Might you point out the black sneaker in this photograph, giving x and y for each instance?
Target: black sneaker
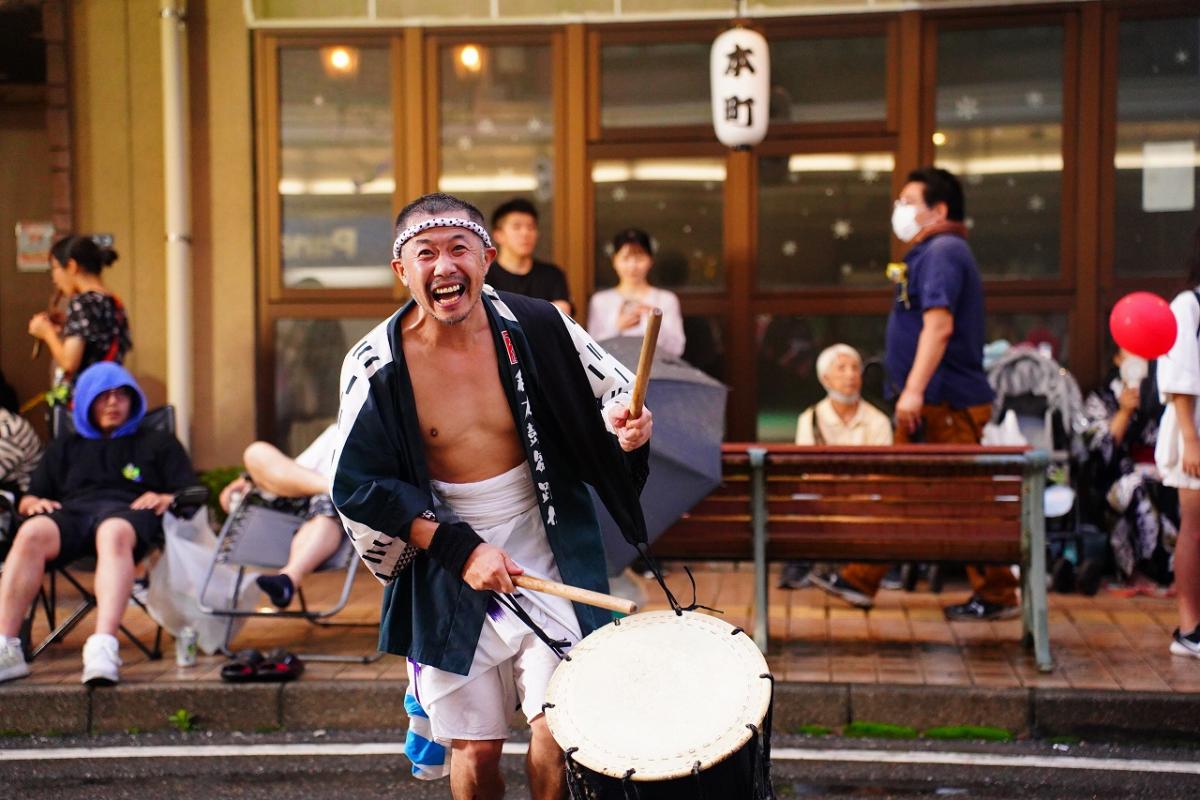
(1188, 645)
(976, 609)
(795, 575)
(837, 586)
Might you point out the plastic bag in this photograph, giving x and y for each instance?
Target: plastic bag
(176, 579)
(1008, 432)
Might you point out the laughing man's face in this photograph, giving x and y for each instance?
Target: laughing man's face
(444, 269)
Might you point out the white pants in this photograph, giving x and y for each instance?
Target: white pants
(512, 666)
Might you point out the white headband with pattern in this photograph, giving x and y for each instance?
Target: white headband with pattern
(440, 222)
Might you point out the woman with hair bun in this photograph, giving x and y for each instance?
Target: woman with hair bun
(96, 327)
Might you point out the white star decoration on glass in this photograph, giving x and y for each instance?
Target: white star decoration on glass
(847, 268)
(842, 229)
(619, 194)
(1182, 57)
(869, 176)
(1036, 203)
(969, 223)
(534, 125)
(486, 126)
(464, 142)
(789, 248)
(1035, 99)
(966, 107)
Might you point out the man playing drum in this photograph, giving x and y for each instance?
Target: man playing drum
(469, 422)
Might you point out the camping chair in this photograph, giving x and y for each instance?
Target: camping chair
(256, 534)
(187, 503)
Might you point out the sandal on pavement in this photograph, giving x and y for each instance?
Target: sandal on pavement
(242, 667)
(280, 666)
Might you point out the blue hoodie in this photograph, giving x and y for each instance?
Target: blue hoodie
(92, 473)
(95, 381)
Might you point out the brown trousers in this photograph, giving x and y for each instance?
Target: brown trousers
(945, 425)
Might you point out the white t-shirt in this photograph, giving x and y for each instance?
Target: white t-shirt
(605, 307)
(1178, 373)
(318, 456)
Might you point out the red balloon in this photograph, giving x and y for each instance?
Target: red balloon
(1143, 324)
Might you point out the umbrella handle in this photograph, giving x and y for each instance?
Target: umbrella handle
(575, 594)
(645, 361)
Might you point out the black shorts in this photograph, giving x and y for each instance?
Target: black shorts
(77, 524)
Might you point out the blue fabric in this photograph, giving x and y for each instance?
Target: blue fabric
(95, 381)
(941, 274)
(427, 756)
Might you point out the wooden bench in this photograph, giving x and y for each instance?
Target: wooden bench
(963, 503)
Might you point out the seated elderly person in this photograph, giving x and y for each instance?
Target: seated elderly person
(298, 486)
(842, 418)
(100, 491)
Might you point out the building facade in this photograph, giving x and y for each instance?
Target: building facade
(1074, 127)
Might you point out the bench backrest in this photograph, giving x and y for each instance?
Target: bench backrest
(913, 502)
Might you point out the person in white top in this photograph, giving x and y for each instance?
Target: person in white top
(1177, 452)
(841, 418)
(622, 311)
(301, 485)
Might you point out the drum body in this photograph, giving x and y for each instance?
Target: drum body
(660, 705)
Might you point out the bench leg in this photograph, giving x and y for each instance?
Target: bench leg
(1035, 605)
(758, 518)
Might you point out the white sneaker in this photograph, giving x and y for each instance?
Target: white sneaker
(1188, 645)
(12, 660)
(100, 660)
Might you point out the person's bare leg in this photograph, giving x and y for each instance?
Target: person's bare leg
(313, 544)
(475, 769)
(115, 539)
(276, 473)
(1187, 560)
(544, 763)
(36, 543)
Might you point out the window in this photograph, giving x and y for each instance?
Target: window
(1157, 157)
(497, 128)
(654, 85)
(999, 129)
(678, 201)
(829, 79)
(336, 175)
(824, 219)
(308, 363)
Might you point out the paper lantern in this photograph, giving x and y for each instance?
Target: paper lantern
(740, 72)
(1143, 324)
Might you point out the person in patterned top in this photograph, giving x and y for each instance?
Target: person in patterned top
(96, 327)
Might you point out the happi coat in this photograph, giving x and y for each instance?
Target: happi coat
(556, 380)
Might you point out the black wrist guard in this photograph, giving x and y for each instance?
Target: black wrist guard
(452, 545)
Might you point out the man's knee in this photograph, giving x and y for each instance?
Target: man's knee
(259, 456)
(37, 536)
(115, 535)
(478, 755)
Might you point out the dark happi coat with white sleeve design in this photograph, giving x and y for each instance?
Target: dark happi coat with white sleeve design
(555, 379)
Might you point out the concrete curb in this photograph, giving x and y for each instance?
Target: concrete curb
(370, 705)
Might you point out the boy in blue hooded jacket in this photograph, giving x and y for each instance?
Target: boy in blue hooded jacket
(100, 491)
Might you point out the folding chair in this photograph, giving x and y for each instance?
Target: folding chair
(187, 503)
(256, 534)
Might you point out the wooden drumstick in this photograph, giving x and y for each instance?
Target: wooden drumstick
(645, 362)
(575, 594)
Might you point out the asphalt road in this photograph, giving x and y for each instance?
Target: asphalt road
(367, 766)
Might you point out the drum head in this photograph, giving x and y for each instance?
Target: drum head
(658, 693)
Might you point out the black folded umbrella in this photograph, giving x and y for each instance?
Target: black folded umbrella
(685, 451)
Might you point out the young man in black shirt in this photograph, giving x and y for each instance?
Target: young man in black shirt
(515, 232)
(100, 491)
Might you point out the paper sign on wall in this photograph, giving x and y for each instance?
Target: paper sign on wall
(33, 246)
(1169, 176)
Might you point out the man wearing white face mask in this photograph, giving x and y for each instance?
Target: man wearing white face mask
(934, 355)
